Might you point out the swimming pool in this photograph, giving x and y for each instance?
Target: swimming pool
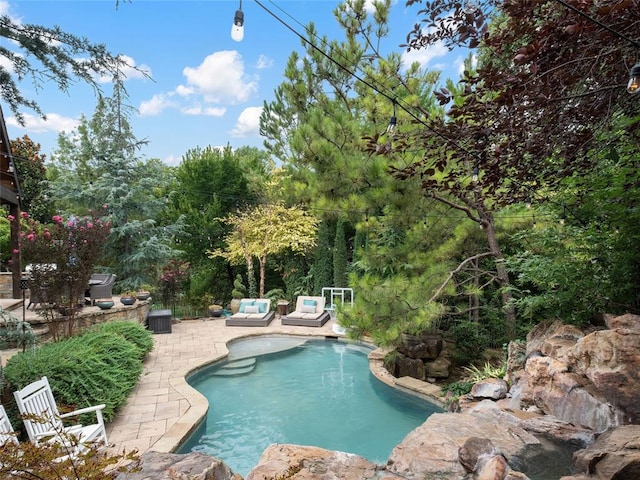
(301, 391)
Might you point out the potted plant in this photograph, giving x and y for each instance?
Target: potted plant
(215, 310)
(104, 303)
(128, 298)
(239, 291)
(144, 293)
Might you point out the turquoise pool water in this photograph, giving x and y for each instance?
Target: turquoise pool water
(306, 392)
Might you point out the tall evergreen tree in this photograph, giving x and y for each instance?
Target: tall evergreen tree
(322, 269)
(340, 256)
(96, 169)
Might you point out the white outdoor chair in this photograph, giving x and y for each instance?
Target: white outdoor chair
(6, 430)
(37, 399)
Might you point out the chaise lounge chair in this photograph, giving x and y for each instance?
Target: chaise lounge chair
(253, 312)
(309, 312)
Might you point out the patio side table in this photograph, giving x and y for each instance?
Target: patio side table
(159, 321)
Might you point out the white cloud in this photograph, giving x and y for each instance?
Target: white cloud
(207, 111)
(155, 106)
(7, 64)
(460, 63)
(424, 55)
(130, 71)
(264, 62)
(370, 8)
(220, 78)
(184, 91)
(4, 8)
(53, 123)
(172, 160)
(248, 123)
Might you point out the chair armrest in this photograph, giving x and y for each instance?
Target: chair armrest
(75, 413)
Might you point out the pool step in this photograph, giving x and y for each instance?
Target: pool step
(237, 367)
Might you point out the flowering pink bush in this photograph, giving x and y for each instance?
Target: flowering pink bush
(62, 256)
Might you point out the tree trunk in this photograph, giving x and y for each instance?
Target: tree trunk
(502, 275)
(263, 269)
(251, 278)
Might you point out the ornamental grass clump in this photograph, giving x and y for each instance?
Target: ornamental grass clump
(102, 365)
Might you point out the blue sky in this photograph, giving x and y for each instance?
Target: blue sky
(206, 89)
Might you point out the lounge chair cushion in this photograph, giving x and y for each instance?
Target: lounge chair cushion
(251, 309)
(244, 304)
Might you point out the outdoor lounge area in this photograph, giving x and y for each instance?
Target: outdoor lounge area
(309, 312)
(253, 312)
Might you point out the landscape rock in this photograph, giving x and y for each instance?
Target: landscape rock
(558, 431)
(473, 449)
(169, 466)
(424, 347)
(433, 448)
(403, 366)
(438, 368)
(493, 388)
(312, 463)
(615, 455)
(611, 361)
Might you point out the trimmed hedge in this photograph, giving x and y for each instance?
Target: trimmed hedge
(100, 365)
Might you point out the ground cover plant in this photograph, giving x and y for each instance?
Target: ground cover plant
(101, 365)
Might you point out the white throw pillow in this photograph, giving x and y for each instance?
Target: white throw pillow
(252, 309)
(308, 309)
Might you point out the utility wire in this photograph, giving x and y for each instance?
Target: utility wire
(367, 83)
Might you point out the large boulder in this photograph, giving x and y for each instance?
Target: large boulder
(402, 366)
(553, 387)
(611, 361)
(424, 347)
(615, 455)
(312, 463)
(169, 466)
(433, 449)
(589, 378)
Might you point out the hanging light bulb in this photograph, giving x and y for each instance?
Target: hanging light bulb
(633, 86)
(391, 128)
(237, 29)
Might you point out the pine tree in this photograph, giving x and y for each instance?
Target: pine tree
(340, 257)
(95, 169)
(322, 268)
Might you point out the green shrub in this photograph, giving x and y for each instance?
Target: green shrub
(459, 388)
(102, 365)
(133, 332)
